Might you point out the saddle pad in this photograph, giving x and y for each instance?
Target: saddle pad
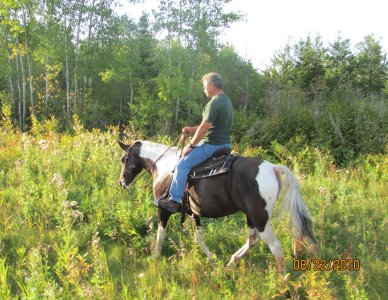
(213, 166)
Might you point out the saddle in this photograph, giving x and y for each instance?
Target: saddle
(218, 164)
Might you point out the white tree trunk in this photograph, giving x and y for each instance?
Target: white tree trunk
(11, 89)
(47, 92)
(19, 92)
(68, 108)
(77, 46)
(30, 81)
(24, 84)
(131, 86)
(91, 14)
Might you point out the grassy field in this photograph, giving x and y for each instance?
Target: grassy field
(68, 231)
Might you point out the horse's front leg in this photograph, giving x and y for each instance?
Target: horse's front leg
(253, 238)
(200, 240)
(163, 217)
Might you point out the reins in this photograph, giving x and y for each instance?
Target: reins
(181, 138)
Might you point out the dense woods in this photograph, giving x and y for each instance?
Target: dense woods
(65, 58)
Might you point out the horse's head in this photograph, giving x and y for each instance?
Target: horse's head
(131, 163)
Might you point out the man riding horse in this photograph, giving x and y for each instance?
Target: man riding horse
(252, 185)
(213, 134)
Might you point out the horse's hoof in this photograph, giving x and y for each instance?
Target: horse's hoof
(212, 260)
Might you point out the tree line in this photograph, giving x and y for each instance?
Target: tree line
(65, 58)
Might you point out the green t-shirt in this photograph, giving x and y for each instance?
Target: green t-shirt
(219, 112)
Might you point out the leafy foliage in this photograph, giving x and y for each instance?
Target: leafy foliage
(82, 59)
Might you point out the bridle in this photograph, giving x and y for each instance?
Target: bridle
(181, 138)
(132, 166)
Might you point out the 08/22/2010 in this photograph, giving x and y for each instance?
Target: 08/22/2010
(326, 264)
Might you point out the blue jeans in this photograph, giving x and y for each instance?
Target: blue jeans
(196, 156)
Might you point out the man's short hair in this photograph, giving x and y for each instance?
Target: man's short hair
(214, 78)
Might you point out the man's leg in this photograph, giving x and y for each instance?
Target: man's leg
(198, 155)
(183, 168)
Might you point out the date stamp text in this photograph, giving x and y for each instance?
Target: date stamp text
(327, 264)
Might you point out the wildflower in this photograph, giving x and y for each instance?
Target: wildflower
(19, 163)
(73, 204)
(96, 239)
(77, 214)
(322, 189)
(43, 144)
(87, 290)
(66, 204)
(58, 180)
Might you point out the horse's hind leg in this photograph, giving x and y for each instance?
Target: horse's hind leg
(199, 238)
(297, 246)
(269, 237)
(253, 238)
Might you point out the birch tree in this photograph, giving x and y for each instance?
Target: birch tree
(194, 25)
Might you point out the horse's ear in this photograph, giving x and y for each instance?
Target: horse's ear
(123, 146)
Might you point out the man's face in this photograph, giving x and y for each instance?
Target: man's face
(208, 89)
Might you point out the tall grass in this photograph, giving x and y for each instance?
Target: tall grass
(68, 231)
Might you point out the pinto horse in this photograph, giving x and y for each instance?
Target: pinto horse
(251, 186)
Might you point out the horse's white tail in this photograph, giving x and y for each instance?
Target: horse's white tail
(299, 215)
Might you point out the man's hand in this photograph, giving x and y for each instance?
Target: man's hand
(186, 130)
(186, 150)
(199, 133)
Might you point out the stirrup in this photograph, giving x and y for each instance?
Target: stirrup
(163, 196)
